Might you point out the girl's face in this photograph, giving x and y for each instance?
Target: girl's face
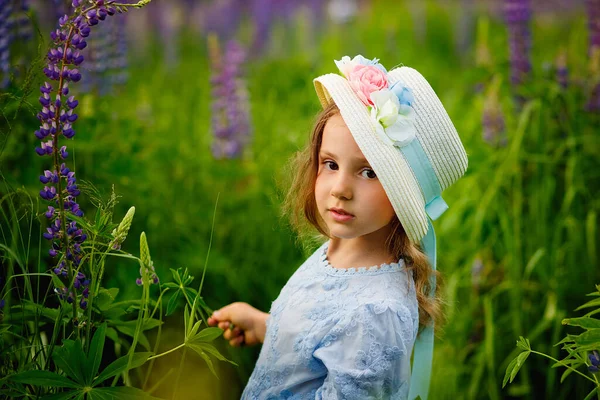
(350, 198)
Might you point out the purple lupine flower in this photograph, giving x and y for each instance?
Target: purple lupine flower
(151, 273)
(6, 38)
(593, 13)
(262, 16)
(23, 25)
(230, 114)
(165, 17)
(56, 119)
(222, 18)
(118, 60)
(518, 17)
(594, 361)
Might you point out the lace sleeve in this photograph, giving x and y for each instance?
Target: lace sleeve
(367, 355)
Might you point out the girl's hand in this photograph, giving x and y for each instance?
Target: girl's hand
(249, 324)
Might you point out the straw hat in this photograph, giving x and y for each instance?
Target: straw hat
(440, 154)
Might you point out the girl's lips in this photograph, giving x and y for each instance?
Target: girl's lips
(339, 217)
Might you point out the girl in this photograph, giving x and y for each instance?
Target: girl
(344, 325)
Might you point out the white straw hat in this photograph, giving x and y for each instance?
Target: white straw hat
(435, 132)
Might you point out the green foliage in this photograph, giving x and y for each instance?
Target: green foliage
(577, 347)
(82, 371)
(527, 211)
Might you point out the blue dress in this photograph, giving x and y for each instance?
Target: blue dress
(338, 334)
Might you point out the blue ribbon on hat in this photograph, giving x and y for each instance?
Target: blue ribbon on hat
(434, 207)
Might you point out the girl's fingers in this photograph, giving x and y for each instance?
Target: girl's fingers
(237, 341)
(236, 331)
(224, 325)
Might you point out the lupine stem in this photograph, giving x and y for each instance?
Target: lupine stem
(59, 191)
(167, 352)
(565, 365)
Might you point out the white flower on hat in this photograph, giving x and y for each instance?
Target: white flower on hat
(395, 121)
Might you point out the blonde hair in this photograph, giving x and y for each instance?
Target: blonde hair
(301, 207)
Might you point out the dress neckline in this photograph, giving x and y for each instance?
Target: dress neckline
(373, 270)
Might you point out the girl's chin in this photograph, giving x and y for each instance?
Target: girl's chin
(342, 233)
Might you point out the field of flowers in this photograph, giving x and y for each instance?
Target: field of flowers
(163, 130)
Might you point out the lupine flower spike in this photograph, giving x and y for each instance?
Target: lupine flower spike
(518, 18)
(5, 40)
(147, 266)
(120, 233)
(593, 13)
(231, 113)
(56, 123)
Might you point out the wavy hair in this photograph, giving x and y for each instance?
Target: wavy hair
(300, 207)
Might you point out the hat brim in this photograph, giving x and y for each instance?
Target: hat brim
(387, 161)
(435, 132)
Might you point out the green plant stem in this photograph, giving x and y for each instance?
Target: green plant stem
(565, 365)
(167, 352)
(158, 304)
(91, 296)
(179, 372)
(62, 213)
(212, 230)
(140, 322)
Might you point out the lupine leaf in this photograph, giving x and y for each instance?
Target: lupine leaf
(207, 335)
(206, 358)
(69, 358)
(30, 308)
(120, 365)
(591, 337)
(105, 298)
(171, 285)
(514, 367)
(523, 343)
(194, 330)
(43, 378)
(128, 328)
(508, 372)
(584, 322)
(95, 353)
(210, 349)
(173, 301)
(591, 303)
(77, 394)
(119, 392)
(176, 276)
(564, 375)
(591, 394)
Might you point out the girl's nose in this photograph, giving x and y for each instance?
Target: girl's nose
(342, 187)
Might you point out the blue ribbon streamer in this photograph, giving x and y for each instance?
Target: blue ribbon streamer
(434, 207)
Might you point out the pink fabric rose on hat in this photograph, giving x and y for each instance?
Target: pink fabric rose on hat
(366, 79)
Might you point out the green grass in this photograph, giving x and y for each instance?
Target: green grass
(528, 211)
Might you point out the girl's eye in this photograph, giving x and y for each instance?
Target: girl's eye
(331, 165)
(369, 174)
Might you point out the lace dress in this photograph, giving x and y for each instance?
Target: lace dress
(338, 334)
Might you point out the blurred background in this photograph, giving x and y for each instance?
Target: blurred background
(186, 101)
